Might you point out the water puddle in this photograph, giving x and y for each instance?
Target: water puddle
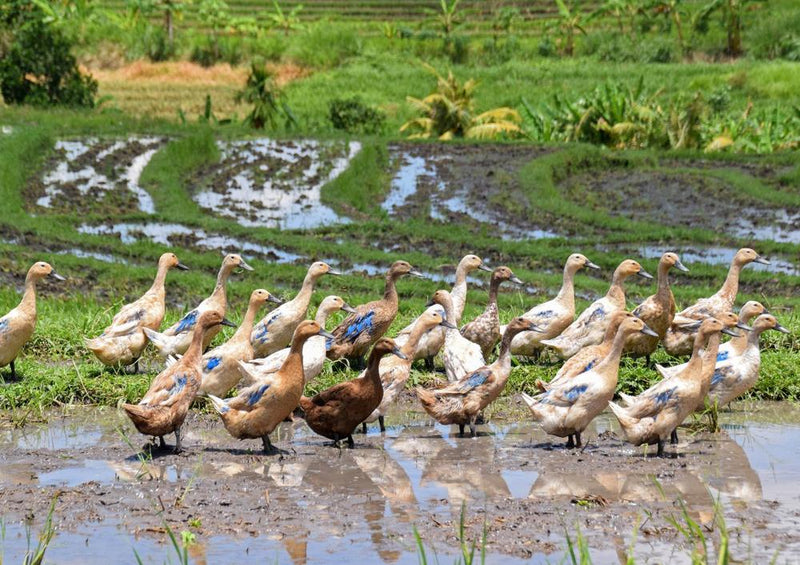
(6, 130)
(104, 257)
(447, 186)
(90, 171)
(178, 234)
(773, 225)
(719, 256)
(331, 503)
(272, 183)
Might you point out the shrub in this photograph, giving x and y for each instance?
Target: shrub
(267, 100)
(326, 46)
(38, 68)
(353, 116)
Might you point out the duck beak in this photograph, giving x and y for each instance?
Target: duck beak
(245, 266)
(56, 276)
(182, 267)
(446, 324)
(644, 274)
(680, 266)
(484, 267)
(730, 332)
(333, 272)
(590, 265)
(347, 308)
(781, 329)
(515, 279)
(325, 333)
(227, 322)
(534, 328)
(647, 331)
(743, 326)
(416, 273)
(399, 353)
(275, 299)
(761, 260)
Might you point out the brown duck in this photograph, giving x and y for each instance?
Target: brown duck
(335, 413)
(485, 329)
(163, 409)
(354, 336)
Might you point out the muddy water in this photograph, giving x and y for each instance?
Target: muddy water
(319, 504)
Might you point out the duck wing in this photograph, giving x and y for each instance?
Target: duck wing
(654, 400)
(248, 397)
(470, 382)
(363, 320)
(563, 396)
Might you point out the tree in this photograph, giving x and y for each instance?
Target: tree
(621, 10)
(447, 18)
(569, 24)
(286, 22)
(731, 11)
(674, 10)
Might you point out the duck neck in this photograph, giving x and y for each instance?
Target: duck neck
(410, 346)
(450, 315)
(222, 279)
(566, 295)
(753, 336)
(696, 360)
(293, 364)
(246, 327)
(616, 291)
(29, 296)
(503, 361)
(390, 288)
(710, 357)
(373, 374)
(322, 316)
(195, 350)
(459, 292)
(494, 288)
(730, 288)
(663, 280)
(303, 298)
(610, 364)
(160, 280)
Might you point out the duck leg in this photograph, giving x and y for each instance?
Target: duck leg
(350, 443)
(381, 424)
(429, 363)
(578, 439)
(13, 371)
(472, 430)
(178, 448)
(269, 449)
(570, 442)
(673, 437)
(161, 443)
(660, 452)
(364, 428)
(136, 367)
(461, 430)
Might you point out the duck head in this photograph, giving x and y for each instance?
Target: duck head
(442, 298)
(503, 274)
(472, 262)
(320, 268)
(41, 270)
(170, 261)
(309, 328)
(752, 309)
(401, 268)
(335, 303)
(436, 318)
(519, 325)
(768, 322)
(213, 318)
(670, 259)
(631, 325)
(385, 346)
(745, 256)
(261, 296)
(578, 261)
(234, 261)
(616, 321)
(628, 268)
(731, 320)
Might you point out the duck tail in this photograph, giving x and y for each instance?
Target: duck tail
(219, 405)
(159, 340)
(665, 372)
(246, 369)
(541, 385)
(426, 397)
(625, 420)
(92, 344)
(136, 412)
(528, 400)
(555, 344)
(627, 398)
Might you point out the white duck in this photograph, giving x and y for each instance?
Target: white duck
(460, 355)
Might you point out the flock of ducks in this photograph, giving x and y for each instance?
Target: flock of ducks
(271, 361)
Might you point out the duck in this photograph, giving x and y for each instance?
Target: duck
(17, 326)
(431, 342)
(164, 408)
(552, 316)
(175, 340)
(654, 415)
(314, 350)
(462, 401)
(336, 412)
(589, 356)
(459, 355)
(257, 410)
(590, 326)
(394, 371)
(275, 330)
(485, 329)
(369, 322)
(730, 349)
(122, 342)
(657, 310)
(735, 376)
(220, 366)
(679, 339)
(566, 410)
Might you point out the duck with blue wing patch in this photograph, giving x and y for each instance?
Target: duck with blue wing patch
(460, 402)
(258, 409)
(567, 409)
(370, 321)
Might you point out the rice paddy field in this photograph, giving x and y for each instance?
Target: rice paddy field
(167, 161)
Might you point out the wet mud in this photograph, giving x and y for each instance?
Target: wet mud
(321, 504)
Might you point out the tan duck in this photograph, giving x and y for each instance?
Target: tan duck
(431, 342)
(370, 321)
(16, 327)
(176, 339)
(220, 366)
(679, 338)
(654, 415)
(590, 327)
(735, 376)
(730, 349)
(123, 341)
(461, 402)
(163, 409)
(588, 357)
(460, 355)
(257, 410)
(566, 410)
(485, 329)
(336, 412)
(275, 330)
(314, 350)
(657, 310)
(395, 370)
(552, 316)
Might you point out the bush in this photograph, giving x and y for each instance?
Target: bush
(325, 46)
(353, 116)
(546, 47)
(270, 47)
(38, 68)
